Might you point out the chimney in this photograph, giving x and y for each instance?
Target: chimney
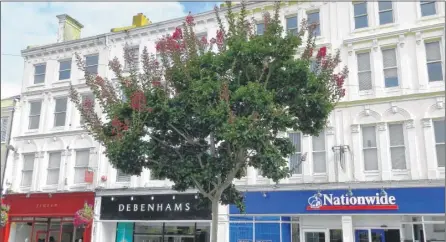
(69, 28)
(140, 20)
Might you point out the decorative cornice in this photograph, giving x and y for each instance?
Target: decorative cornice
(373, 37)
(50, 135)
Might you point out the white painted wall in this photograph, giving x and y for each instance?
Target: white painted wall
(416, 101)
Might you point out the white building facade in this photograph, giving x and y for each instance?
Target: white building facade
(385, 140)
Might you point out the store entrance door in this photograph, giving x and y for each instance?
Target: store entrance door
(377, 235)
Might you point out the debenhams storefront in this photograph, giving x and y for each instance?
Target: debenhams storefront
(152, 218)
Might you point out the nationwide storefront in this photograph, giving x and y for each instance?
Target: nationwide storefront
(361, 215)
(175, 217)
(46, 217)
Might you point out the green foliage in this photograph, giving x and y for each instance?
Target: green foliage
(202, 116)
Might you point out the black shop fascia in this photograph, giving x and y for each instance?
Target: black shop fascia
(154, 207)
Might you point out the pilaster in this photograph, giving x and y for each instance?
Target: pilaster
(384, 153)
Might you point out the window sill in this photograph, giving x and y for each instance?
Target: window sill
(371, 172)
(50, 187)
(32, 131)
(430, 17)
(362, 30)
(61, 82)
(392, 89)
(37, 85)
(400, 172)
(59, 128)
(386, 26)
(79, 185)
(366, 93)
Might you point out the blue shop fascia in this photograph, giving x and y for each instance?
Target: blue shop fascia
(347, 215)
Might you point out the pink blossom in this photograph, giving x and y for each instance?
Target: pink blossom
(138, 100)
(213, 41)
(190, 19)
(178, 34)
(204, 40)
(322, 52)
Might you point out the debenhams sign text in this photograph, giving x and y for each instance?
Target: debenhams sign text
(155, 207)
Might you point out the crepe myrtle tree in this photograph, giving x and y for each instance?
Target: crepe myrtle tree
(212, 108)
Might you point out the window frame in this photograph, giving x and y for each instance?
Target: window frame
(257, 28)
(432, 62)
(39, 74)
(60, 112)
(121, 174)
(52, 168)
(296, 29)
(318, 28)
(421, 3)
(389, 68)
(324, 151)
(136, 49)
(33, 155)
(97, 64)
(34, 115)
(4, 128)
(384, 11)
(86, 168)
(438, 143)
(369, 70)
(362, 126)
(398, 146)
(361, 15)
(298, 153)
(64, 70)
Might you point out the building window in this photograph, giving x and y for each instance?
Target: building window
(313, 19)
(91, 63)
(433, 59)
(314, 66)
(34, 114)
(291, 25)
(319, 163)
(364, 71)
(390, 68)
(134, 56)
(385, 12)
(369, 148)
(5, 121)
(397, 147)
(27, 171)
(336, 235)
(360, 13)
(60, 112)
(260, 28)
(87, 98)
(428, 8)
(39, 73)
(295, 159)
(439, 129)
(122, 177)
(81, 165)
(53, 168)
(64, 69)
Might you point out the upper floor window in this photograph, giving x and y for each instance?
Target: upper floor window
(439, 129)
(433, 59)
(313, 19)
(360, 13)
(53, 168)
(428, 8)
(27, 170)
(91, 63)
(87, 99)
(319, 163)
(291, 25)
(64, 69)
(122, 177)
(397, 147)
(364, 71)
(39, 73)
(385, 12)
(81, 165)
(390, 67)
(369, 148)
(60, 112)
(260, 28)
(34, 114)
(295, 159)
(133, 53)
(5, 121)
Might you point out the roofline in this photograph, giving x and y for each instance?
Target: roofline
(11, 98)
(105, 35)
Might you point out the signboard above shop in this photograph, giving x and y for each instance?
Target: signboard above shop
(416, 200)
(154, 207)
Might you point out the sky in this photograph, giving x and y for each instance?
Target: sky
(35, 23)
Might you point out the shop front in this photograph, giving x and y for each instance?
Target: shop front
(154, 218)
(360, 215)
(46, 217)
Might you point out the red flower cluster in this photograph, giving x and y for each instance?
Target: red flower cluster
(118, 126)
(322, 52)
(204, 40)
(178, 34)
(99, 81)
(220, 38)
(138, 101)
(87, 104)
(339, 80)
(190, 19)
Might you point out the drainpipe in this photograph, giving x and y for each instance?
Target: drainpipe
(7, 144)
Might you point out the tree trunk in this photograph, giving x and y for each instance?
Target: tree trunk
(214, 225)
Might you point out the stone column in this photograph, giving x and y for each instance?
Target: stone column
(347, 229)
